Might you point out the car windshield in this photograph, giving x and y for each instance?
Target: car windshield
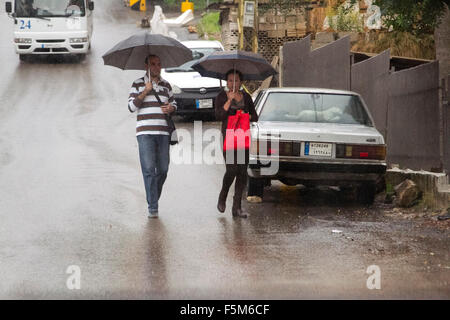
(314, 107)
(49, 8)
(186, 67)
(197, 54)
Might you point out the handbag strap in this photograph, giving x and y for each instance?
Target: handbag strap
(168, 116)
(157, 96)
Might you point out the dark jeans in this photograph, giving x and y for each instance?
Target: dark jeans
(154, 157)
(237, 171)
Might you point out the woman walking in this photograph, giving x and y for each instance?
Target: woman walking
(229, 101)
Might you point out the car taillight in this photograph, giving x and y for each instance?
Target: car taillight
(262, 147)
(280, 148)
(354, 151)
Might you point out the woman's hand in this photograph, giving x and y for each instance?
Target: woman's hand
(234, 95)
(230, 96)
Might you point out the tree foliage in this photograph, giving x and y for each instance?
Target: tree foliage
(285, 6)
(415, 16)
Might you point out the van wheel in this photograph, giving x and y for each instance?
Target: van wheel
(23, 57)
(366, 193)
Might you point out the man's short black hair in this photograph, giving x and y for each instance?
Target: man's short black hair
(150, 56)
(231, 71)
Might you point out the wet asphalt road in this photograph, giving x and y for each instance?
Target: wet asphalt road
(71, 193)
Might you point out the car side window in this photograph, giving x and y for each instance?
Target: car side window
(258, 97)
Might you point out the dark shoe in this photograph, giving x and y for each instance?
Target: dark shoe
(221, 206)
(238, 213)
(222, 200)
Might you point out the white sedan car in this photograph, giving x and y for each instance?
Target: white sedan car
(315, 137)
(194, 94)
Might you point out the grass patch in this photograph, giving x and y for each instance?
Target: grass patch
(389, 188)
(201, 4)
(209, 27)
(401, 44)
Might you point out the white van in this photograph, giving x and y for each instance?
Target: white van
(51, 26)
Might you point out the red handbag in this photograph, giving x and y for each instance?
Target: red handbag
(238, 132)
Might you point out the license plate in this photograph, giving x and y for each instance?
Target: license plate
(204, 103)
(49, 45)
(318, 149)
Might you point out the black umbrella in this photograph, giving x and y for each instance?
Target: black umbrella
(252, 65)
(130, 53)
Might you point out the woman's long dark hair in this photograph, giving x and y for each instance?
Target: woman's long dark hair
(232, 71)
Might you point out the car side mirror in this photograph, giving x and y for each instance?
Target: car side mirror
(196, 55)
(91, 5)
(8, 7)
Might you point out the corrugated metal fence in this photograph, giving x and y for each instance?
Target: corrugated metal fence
(446, 122)
(404, 104)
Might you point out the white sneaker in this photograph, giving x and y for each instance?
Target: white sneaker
(153, 215)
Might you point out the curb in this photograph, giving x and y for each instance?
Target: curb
(434, 186)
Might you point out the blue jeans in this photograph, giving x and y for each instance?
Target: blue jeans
(154, 156)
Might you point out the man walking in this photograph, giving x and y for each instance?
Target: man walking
(153, 99)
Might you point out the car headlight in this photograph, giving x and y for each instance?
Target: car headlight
(22, 40)
(176, 90)
(78, 40)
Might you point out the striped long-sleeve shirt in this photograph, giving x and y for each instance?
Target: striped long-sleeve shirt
(150, 118)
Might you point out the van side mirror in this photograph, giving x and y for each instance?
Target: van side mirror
(8, 7)
(91, 5)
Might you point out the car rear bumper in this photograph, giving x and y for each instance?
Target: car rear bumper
(326, 173)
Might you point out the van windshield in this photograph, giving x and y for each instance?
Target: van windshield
(314, 107)
(49, 8)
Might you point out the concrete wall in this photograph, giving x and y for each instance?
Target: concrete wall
(326, 67)
(413, 118)
(370, 80)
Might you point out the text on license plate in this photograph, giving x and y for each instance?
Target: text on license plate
(318, 149)
(49, 45)
(204, 103)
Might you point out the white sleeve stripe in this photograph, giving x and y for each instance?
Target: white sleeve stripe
(131, 106)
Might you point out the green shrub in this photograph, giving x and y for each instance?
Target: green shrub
(209, 27)
(345, 19)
